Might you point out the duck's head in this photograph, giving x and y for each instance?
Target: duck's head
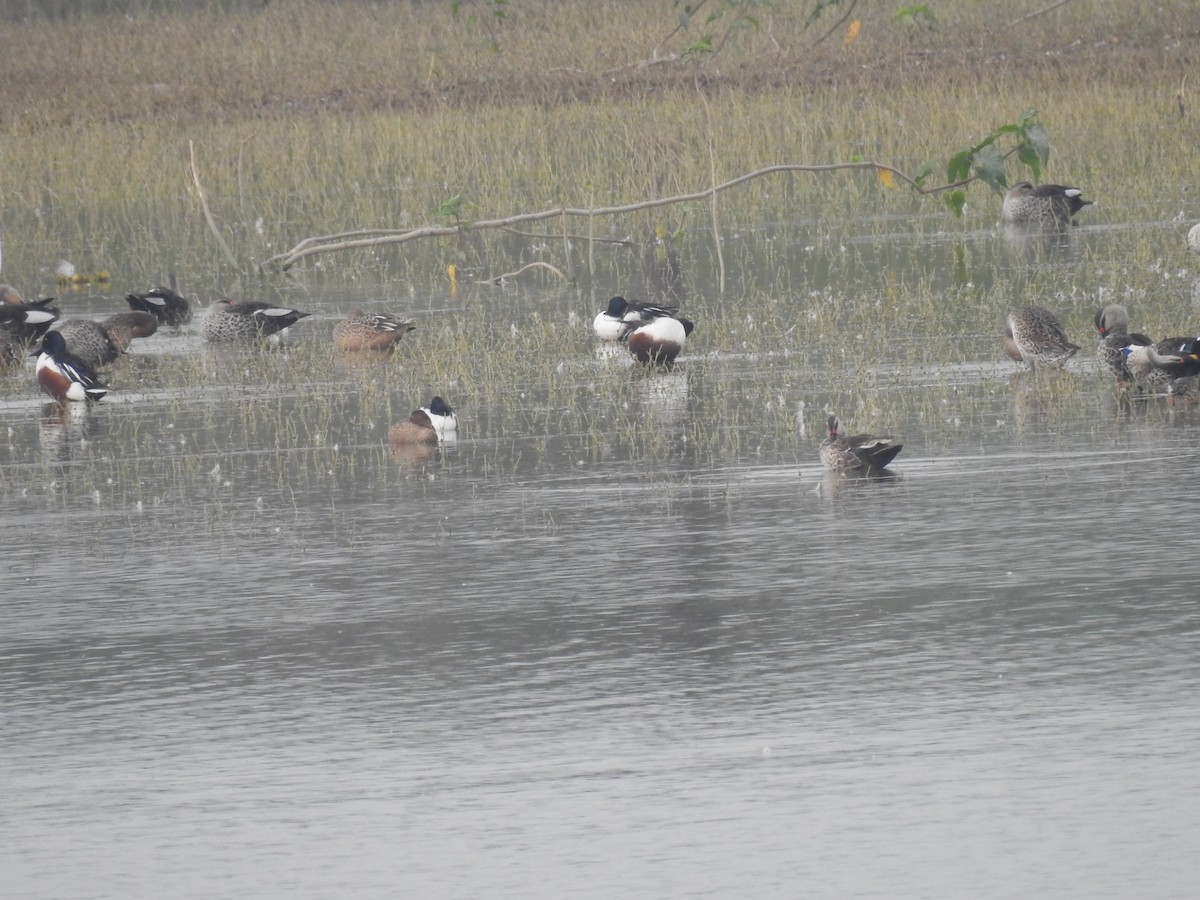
(1111, 317)
(440, 407)
(617, 307)
(53, 343)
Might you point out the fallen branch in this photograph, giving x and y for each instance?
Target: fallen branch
(509, 276)
(353, 240)
(539, 236)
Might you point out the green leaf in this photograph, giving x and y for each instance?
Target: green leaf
(925, 172)
(956, 200)
(959, 166)
(988, 165)
(1039, 140)
(1029, 157)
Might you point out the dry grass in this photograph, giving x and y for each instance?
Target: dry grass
(412, 104)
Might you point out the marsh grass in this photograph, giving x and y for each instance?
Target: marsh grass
(429, 105)
(833, 291)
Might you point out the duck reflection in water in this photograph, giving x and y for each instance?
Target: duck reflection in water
(664, 395)
(64, 428)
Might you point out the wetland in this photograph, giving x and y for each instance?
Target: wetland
(623, 637)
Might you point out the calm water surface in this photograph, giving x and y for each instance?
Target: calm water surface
(245, 651)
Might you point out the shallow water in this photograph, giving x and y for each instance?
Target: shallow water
(624, 638)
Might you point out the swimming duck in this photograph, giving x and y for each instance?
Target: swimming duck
(374, 331)
(613, 322)
(859, 454)
(64, 376)
(22, 323)
(1043, 206)
(427, 425)
(1112, 322)
(226, 320)
(1035, 336)
(163, 303)
(1156, 368)
(99, 343)
(659, 340)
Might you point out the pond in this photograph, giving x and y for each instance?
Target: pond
(624, 637)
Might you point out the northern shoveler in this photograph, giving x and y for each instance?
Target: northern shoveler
(857, 454)
(10, 296)
(1035, 336)
(370, 331)
(228, 321)
(64, 376)
(427, 425)
(21, 323)
(99, 343)
(659, 340)
(164, 304)
(1156, 368)
(1112, 322)
(621, 315)
(1043, 206)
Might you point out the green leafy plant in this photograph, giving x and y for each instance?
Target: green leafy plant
(723, 19)
(455, 211)
(916, 17)
(985, 161)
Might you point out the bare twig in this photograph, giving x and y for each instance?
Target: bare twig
(712, 179)
(509, 276)
(838, 24)
(1038, 12)
(741, 11)
(208, 216)
(679, 26)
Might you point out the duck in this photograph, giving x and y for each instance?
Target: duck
(10, 296)
(21, 323)
(1157, 368)
(100, 343)
(614, 321)
(64, 376)
(370, 331)
(427, 425)
(1112, 322)
(1043, 205)
(658, 340)
(858, 454)
(227, 321)
(1035, 336)
(164, 304)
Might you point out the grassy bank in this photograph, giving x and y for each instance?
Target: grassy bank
(309, 118)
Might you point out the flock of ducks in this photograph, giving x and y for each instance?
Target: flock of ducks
(70, 351)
